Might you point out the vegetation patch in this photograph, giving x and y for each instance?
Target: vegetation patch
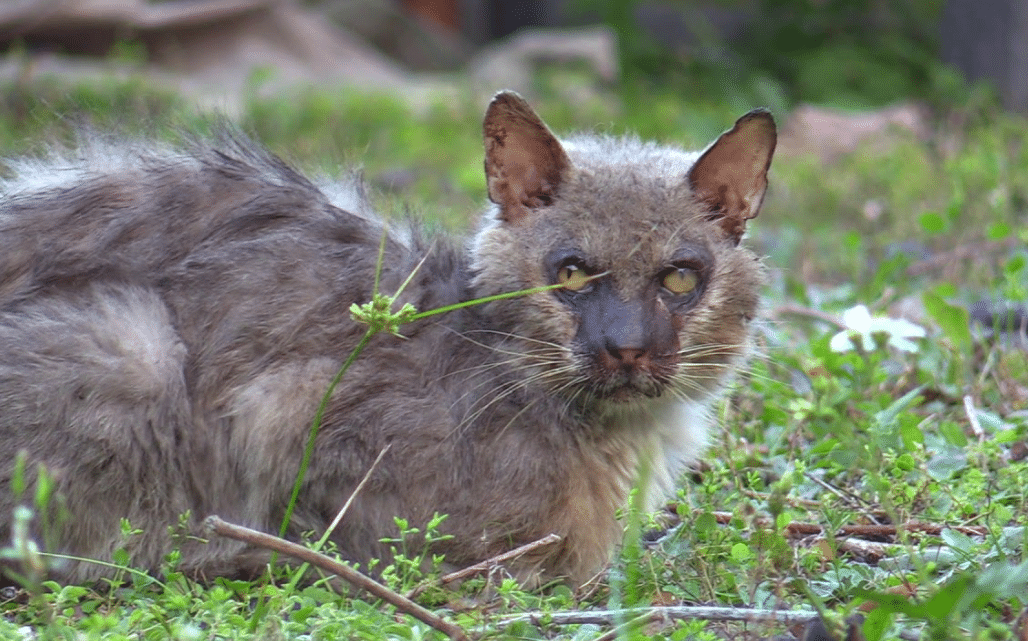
(867, 465)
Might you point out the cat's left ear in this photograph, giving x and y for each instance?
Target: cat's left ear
(524, 161)
(731, 175)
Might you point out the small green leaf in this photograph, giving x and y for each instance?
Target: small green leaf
(1014, 265)
(741, 553)
(998, 231)
(958, 541)
(887, 417)
(876, 623)
(952, 319)
(953, 433)
(945, 464)
(1006, 436)
(912, 435)
(933, 222)
(18, 481)
(824, 447)
(705, 522)
(943, 604)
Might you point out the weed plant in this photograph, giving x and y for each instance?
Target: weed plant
(877, 428)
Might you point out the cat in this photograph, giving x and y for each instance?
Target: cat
(171, 316)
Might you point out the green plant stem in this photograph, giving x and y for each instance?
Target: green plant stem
(308, 452)
(316, 425)
(489, 299)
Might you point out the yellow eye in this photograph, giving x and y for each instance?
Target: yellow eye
(572, 277)
(681, 281)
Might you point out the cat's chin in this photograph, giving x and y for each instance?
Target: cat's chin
(627, 393)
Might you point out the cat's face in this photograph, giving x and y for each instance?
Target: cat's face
(655, 292)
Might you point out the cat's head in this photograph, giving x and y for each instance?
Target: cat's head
(657, 292)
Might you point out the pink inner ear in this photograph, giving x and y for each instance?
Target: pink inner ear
(537, 190)
(524, 162)
(731, 176)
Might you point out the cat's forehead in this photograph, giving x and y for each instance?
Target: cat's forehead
(628, 154)
(629, 203)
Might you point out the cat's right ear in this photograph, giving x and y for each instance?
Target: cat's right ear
(524, 161)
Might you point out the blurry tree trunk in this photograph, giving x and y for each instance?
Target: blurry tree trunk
(988, 39)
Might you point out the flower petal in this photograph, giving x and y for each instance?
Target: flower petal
(858, 318)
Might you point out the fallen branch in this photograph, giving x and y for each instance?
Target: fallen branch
(487, 565)
(348, 574)
(807, 312)
(674, 612)
(797, 528)
(969, 252)
(868, 551)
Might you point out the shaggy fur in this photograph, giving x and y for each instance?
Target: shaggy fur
(171, 317)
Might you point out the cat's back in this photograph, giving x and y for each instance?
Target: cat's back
(169, 307)
(211, 257)
(119, 209)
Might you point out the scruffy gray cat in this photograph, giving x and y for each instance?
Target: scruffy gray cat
(170, 319)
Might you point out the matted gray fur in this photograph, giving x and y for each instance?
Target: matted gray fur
(170, 318)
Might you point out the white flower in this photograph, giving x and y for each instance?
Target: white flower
(861, 327)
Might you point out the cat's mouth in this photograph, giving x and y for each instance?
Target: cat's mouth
(625, 388)
(629, 393)
(621, 382)
(624, 379)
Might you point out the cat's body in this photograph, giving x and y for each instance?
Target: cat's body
(170, 319)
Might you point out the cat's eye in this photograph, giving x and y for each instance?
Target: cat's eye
(572, 276)
(680, 281)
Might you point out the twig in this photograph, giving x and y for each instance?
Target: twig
(971, 251)
(797, 528)
(863, 548)
(351, 576)
(806, 312)
(298, 575)
(972, 418)
(619, 631)
(349, 501)
(488, 564)
(841, 493)
(793, 501)
(707, 613)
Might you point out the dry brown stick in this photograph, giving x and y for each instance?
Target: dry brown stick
(863, 548)
(851, 498)
(618, 631)
(707, 613)
(797, 528)
(353, 495)
(488, 564)
(910, 526)
(348, 574)
(972, 418)
(807, 312)
(971, 251)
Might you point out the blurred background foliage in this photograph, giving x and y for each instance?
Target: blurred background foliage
(921, 222)
(845, 53)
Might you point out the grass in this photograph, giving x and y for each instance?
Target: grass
(813, 438)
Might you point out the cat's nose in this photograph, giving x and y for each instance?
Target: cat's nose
(627, 356)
